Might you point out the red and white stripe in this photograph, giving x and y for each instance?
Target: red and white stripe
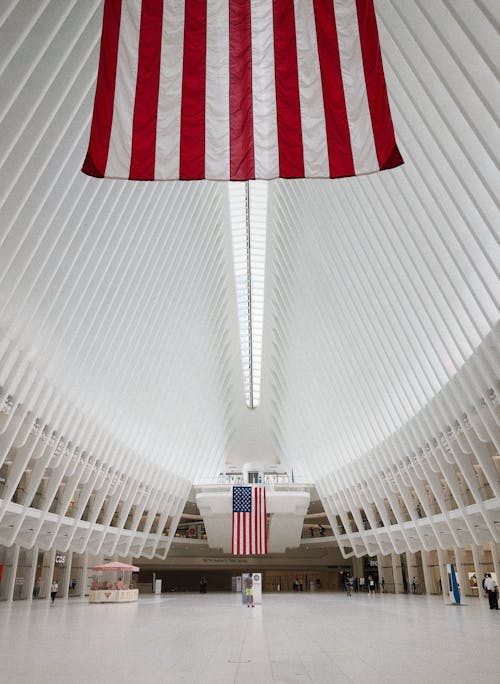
(250, 529)
(240, 89)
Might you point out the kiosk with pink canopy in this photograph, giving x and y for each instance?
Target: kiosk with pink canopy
(112, 583)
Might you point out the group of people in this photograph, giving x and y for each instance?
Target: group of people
(491, 590)
(105, 585)
(54, 588)
(370, 584)
(298, 584)
(321, 528)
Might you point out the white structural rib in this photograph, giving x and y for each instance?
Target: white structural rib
(120, 354)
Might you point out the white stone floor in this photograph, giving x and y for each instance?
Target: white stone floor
(316, 638)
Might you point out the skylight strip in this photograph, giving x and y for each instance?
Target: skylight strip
(248, 206)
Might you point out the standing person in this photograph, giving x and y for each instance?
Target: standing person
(36, 588)
(54, 588)
(203, 585)
(321, 531)
(371, 585)
(383, 585)
(296, 584)
(347, 585)
(249, 591)
(491, 588)
(414, 585)
(301, 584)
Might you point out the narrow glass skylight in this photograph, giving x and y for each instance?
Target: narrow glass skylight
(248, 207)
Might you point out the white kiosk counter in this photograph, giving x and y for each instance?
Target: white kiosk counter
(113, 595)
(113, 584)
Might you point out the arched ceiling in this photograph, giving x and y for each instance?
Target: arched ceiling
(117, 299)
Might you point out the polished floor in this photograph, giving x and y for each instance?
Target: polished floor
(316, 638)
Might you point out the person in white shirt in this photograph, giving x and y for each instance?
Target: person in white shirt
(491, 589)
(54, 588)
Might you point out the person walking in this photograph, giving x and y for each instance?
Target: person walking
(347, 585)
(371, 586)
(249, 591)
(54, 588)
(382, 582)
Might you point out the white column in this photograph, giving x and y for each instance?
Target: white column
(11, 581)
(426, 569)
(357, 566)
(413, 570)
(495, 556)
(462, 577)
(397, 573)
(384, 570)
(66, 576)
(443, 573)
(49, 562)
(83, 573)
(478, 558)
(32, 573)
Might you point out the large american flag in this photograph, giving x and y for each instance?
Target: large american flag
(249, 521)
(240, 89)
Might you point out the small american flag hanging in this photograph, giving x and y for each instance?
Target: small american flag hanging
(249, 521)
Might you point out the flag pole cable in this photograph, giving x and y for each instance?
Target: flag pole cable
(249, 296)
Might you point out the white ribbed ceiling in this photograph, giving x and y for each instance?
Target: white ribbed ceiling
(117, 299)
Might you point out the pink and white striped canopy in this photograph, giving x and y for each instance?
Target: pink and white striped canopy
(115, 565)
